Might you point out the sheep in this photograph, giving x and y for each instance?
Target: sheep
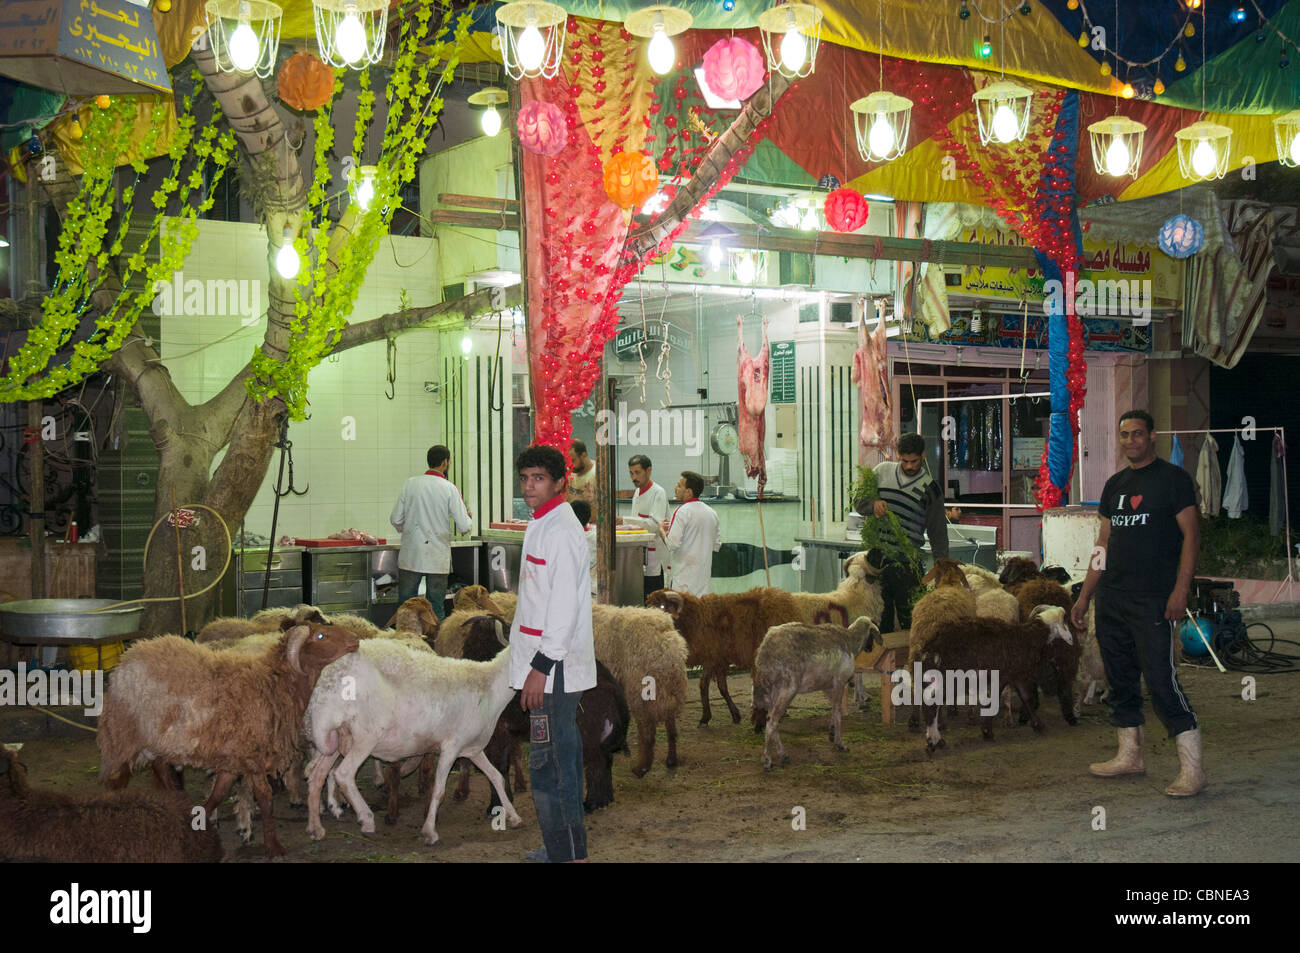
(857, 594)
(979, 578)
(1058, 677)
(1015, 650)
(722, 630)
(450, 639)
(118, 827)
(946, 572)
(401, 704)
(997, 604)
(183, 703)
(648, 658)
(505, 603)
(233, 628)
(476, 597)
(1018, 571)
(796, 658)
(1091, 672)
(939, 606)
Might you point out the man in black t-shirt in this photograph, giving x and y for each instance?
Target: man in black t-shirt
(1142, 575)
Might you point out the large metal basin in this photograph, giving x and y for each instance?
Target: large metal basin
(50, 621)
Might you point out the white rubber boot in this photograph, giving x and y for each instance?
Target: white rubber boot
(1129, 758)
(1191, 774)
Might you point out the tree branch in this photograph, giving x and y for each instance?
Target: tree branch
(448, 314)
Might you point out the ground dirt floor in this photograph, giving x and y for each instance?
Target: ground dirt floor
(1020, 797)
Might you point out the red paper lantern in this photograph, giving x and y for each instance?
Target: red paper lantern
(846, 210)
(542, 128)
(733, 68)
(630, 179)
(305, 82)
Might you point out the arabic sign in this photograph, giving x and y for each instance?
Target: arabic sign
(627, 344)
(1007, 330)
(782, 372)
(1102, 261)
(81, 47)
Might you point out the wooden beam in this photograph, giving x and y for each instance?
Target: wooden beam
(496, 221)
(478, 201)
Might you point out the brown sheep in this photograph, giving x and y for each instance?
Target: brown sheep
(724, 629)
(233, 628)
(1018, 571)
(118, 827)
(183, 703)
(475, 597)
(1063, 662)
(946, 572)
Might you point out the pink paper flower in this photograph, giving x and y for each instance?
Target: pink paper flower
(733, 68)
(542, 129)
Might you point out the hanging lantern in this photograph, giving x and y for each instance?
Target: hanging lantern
(716, 237)
(1116, 145)
(630, 179)
(531, 38)
(1286, 135)
(791, 35)
(244, 34)
(361, 185)
(1002, 109)
(1181, 236)
(733, 68)
(489, 99)
(351, 32)
(658, 23)
(305, 83)
(882, 121)
(846, 210)
(541, 128)
(1203, 150)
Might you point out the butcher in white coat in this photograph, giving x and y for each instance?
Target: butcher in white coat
(693, 535)
(552, 655)
(424, 514)
(649, 509)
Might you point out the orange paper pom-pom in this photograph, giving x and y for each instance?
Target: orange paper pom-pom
(305, 82)
(630, 179)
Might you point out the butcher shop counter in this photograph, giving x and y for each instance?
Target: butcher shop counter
(505, 547)
(739, 564)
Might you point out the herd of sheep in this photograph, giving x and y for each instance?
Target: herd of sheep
(290, 694)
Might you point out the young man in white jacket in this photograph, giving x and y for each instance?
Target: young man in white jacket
(424, 513)
(649, 508)
(692, 536)
(552, 656)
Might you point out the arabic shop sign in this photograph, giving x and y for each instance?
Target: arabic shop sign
(1102, 262)
(628, 342)
(81, 47)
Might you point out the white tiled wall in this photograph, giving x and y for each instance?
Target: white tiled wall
(350, 482)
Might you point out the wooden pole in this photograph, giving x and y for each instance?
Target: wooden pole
(763, 536)
(180, 568)
(36, 506)
(604, 507)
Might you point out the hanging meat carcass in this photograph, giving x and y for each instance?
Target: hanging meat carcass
(875, 395)
(752, 374)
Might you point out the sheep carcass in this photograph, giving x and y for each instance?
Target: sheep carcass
(796, 658)
(182, 703)
(403, 703)
(752, 376)
(724, 629)
(117, 827)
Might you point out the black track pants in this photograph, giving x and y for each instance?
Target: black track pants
(897, 581)
(1136, 640)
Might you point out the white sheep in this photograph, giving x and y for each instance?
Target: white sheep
(394, 702)
(795, 658)
(858, 594)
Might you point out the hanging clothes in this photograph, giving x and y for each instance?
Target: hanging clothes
(1208, 480)
(1276, 487)
(1235, 497)
(1176, 454)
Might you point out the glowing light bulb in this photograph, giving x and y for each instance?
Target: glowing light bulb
(243, 47)
(661, 52)
(531, 48)
(745, 269)
(1006, 127)
(715, 255)
(1118, 157)
(350, 37)
(466, 345)
(491, 121)
(880, 140)
(1295, 149)
(365, 193)
(1204, 159)
(794, 50)
(809, 223)
(1158, 88)
(286, 259)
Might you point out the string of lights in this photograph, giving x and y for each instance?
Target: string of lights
(1007, 13)
(1089, 23)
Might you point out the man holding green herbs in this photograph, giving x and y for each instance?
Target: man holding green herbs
(906, 500)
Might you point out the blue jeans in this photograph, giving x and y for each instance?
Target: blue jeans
(555, 769)
(435, 588)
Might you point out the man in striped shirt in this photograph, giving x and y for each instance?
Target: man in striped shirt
(906, 489)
